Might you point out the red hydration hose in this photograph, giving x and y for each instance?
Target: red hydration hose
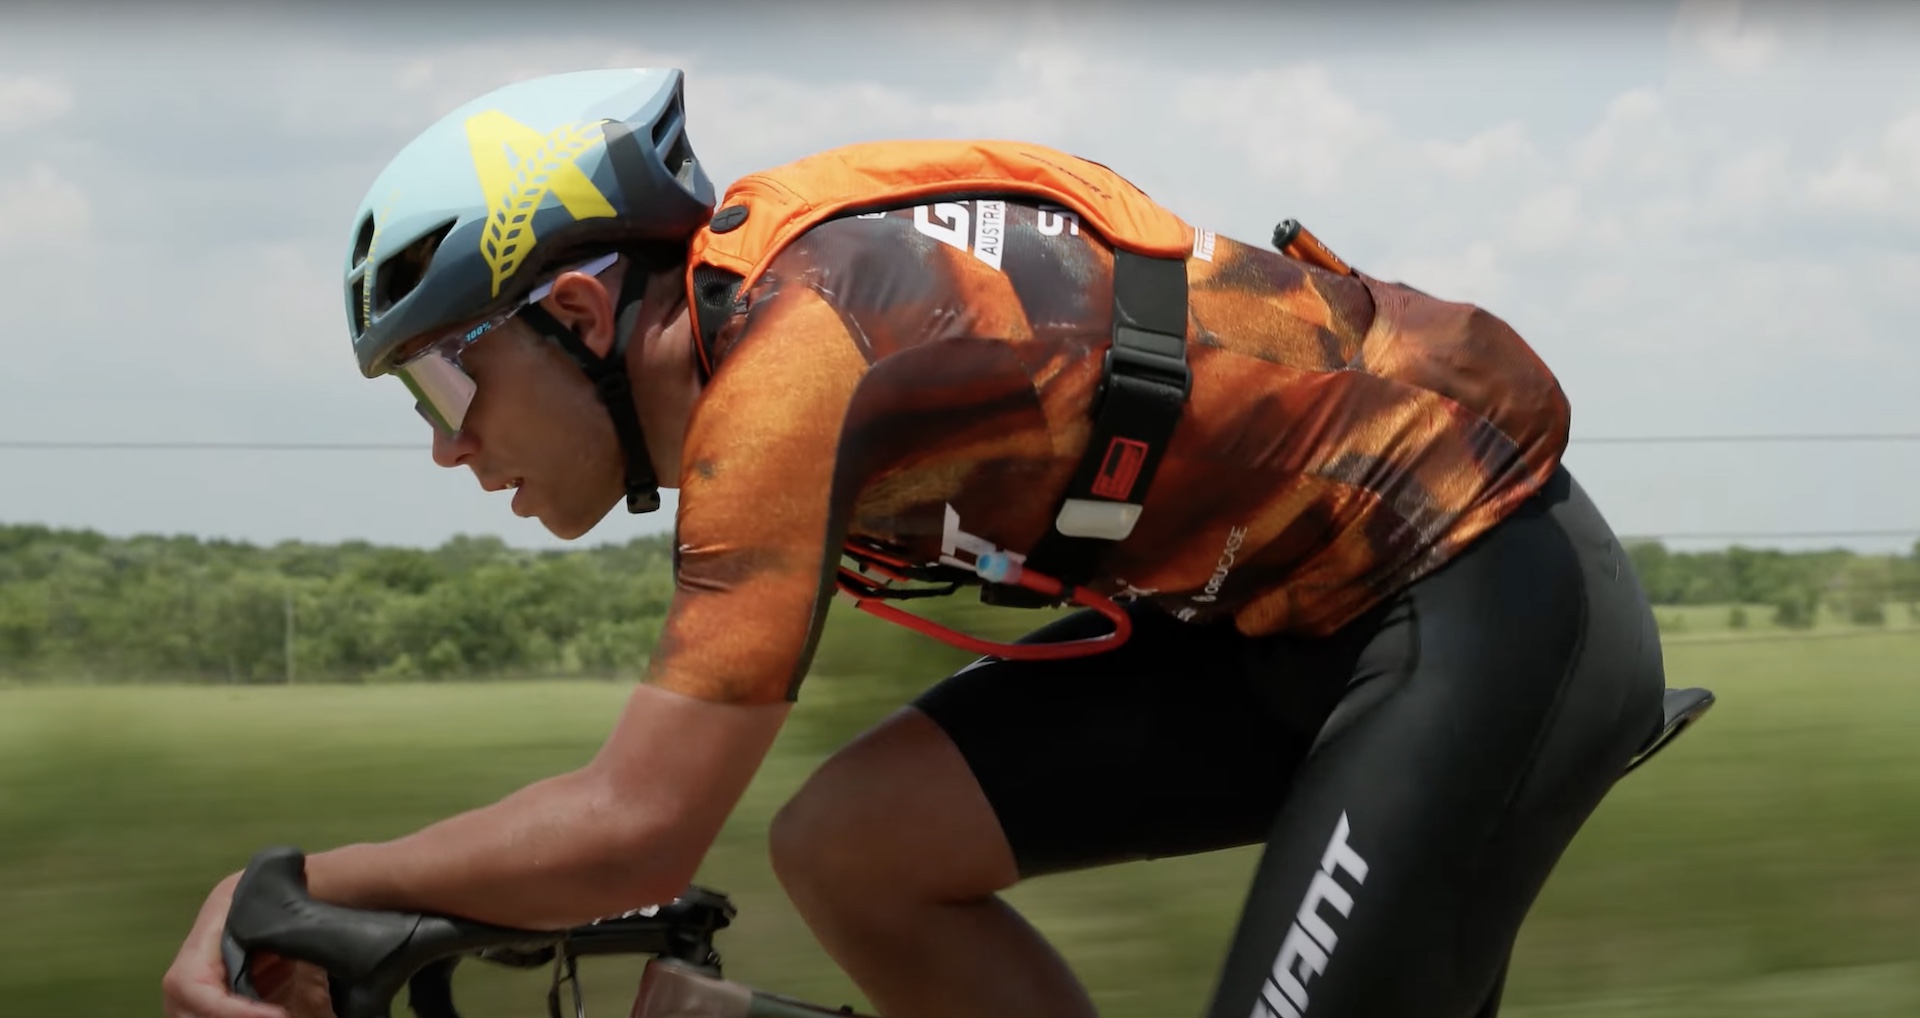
(999, 568)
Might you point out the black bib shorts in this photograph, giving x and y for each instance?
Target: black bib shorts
(1414, 777)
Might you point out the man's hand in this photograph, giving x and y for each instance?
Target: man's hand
(196, 985)
(298, 988)
(629, 829)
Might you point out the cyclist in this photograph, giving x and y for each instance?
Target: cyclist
(1343, 598)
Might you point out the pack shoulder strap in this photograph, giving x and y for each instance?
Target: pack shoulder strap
(1144, 385)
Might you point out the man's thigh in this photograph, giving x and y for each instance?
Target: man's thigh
(1183, 740)
(1495, 710)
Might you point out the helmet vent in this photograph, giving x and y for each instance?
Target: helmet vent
(398, 276)
(671, 131)
(364, 242)
(359, 301)
(667, 123)
(679, 160)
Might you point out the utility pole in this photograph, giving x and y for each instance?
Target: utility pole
(289, 632)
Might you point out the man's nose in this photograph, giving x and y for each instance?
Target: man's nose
(455, 449)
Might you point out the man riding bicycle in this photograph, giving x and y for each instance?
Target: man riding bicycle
(1340, 597)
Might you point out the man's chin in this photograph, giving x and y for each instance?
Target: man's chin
(565, 526)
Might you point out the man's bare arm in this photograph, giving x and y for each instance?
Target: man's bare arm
(627, 830)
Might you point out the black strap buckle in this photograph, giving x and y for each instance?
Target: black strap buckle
(1152, 357)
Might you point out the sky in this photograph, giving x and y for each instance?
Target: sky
(1705, 216)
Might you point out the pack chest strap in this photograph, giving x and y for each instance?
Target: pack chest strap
(1144, 384)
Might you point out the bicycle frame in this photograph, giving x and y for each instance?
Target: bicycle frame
(671, 990)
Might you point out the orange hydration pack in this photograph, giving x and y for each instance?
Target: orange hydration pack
(1145, 380)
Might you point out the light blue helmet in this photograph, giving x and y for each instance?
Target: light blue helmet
(471, 212)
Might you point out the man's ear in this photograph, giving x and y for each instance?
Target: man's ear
(584, 304)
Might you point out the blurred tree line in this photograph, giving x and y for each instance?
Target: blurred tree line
(1791, 586)
(77, 605)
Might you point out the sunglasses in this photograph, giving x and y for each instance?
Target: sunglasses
(442, 389)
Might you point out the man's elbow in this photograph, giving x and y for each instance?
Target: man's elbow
(642, 854)
(639, 874)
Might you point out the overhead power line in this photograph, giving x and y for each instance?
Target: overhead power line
(165, 445)
(1780, 439)
(1768, 535)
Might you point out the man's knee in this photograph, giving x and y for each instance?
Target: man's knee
(895, 814)
(835, 829)
(801, 841)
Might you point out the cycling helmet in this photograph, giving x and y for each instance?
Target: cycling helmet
(471, 215)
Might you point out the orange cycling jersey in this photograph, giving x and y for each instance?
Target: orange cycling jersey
(893, 377)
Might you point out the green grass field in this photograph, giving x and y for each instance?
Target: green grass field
(1682, 623)
(1768, 865)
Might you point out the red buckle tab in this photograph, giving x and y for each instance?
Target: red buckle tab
(1120, 468)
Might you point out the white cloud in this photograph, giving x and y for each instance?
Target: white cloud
(1661, 219)
(1546, 221)
(328, 91)
(1852, 183)
(1635, 141)
(1043, 93)
(1601, 290)
(1730, 39)
(43, 210)
(1052, 95)
(1903, 146)
(31, 100)
(1291, 122)
(1471, 273)
(1896, 279)
(744, 122)
(448, 80)
(1506, 146)
(277, 308)
(1754, 182)
(1885, 181)
(1777, 306)
(742, 119)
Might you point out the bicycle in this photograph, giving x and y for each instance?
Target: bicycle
(370, 956)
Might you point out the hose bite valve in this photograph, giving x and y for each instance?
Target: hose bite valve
(997, 567)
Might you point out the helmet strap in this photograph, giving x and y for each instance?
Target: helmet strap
(611, 383)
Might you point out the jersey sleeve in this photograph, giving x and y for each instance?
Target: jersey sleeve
(757, 542)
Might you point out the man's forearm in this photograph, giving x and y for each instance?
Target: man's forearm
(557, 853)
(626, 831)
